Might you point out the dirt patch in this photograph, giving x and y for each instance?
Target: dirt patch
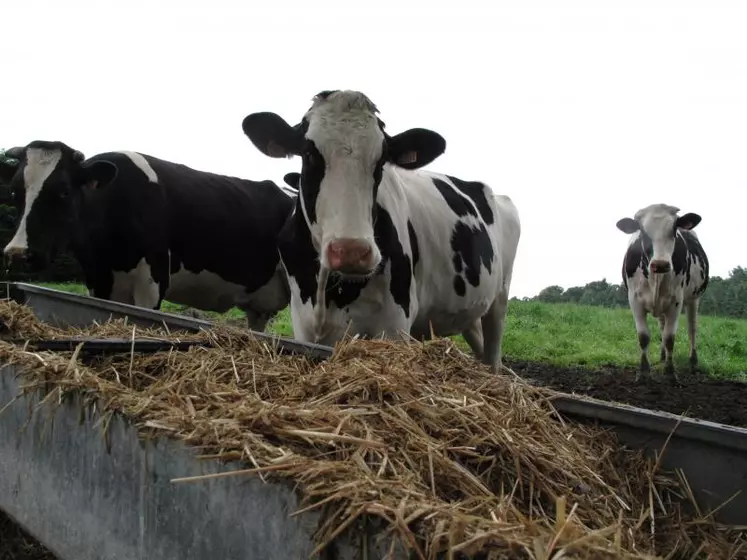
(696, 396)
(16, 544)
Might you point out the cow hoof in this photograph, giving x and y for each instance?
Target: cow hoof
(642, 377)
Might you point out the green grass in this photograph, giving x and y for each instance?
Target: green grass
(567, 335)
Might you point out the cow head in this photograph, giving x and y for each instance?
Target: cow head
(658, 225)
(47, 187)
(344, 148)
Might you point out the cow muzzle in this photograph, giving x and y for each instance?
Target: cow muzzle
(15, 252)
(660, 267)
(350, 256)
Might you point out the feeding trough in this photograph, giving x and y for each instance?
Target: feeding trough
(240, 517)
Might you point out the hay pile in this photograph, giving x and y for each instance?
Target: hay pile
(454, 458)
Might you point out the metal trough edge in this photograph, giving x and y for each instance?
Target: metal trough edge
(712, 456)
(64, 308)
(87, 496)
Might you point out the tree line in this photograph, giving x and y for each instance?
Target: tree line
(725, 297)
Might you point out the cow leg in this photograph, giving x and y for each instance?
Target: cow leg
(671, 319)
(663, 352)
(473, 337)
(100, 284)
(256, 321)
(492, 330)
(147, 291)
(692, 324)
(644, 338)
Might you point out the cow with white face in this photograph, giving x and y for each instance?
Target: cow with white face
(665, 269)
(145, 229)
(377, 247)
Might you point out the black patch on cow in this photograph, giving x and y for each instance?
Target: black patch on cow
(378, 172)
(312, 175)
(459, 286)
(393, 252)
(476, 191)
(299, 257)
(637, 257)
(472, 250)
(458, 205)
(414, 247)
(457, 260)
(695, 253)
(326, 93)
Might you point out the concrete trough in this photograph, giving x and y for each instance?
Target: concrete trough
(135, 512)
(87, 497)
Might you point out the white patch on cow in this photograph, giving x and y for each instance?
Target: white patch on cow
(208, 291)
(136, 286)
(40, 164)
(143, 165)
(204, 290)
(658, 221)
(345, 130)
(291, 192)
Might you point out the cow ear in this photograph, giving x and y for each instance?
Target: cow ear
(415, 148)
(628, 225)
(272, 135)
(293, 180)
(98, 174)
(688, 221)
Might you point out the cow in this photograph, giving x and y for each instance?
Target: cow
(664, 269)
(144, 229)
(376, 246)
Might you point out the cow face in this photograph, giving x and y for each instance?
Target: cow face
(343, 148)
(658, 224)
(47, 189)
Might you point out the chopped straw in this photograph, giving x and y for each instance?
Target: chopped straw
(456, 460)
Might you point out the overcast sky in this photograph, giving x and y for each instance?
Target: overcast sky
(581, 111)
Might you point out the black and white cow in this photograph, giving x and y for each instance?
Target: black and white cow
(144, 229)
(664, 269)
(397, 250)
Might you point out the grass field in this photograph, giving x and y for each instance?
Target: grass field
(566, 334)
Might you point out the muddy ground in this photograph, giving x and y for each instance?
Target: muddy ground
(15, 544)
(697, 396)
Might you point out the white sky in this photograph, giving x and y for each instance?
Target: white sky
(581, 111)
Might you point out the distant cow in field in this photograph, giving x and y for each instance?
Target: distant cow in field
(664, 269)
(144, 229)
(396, 250)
